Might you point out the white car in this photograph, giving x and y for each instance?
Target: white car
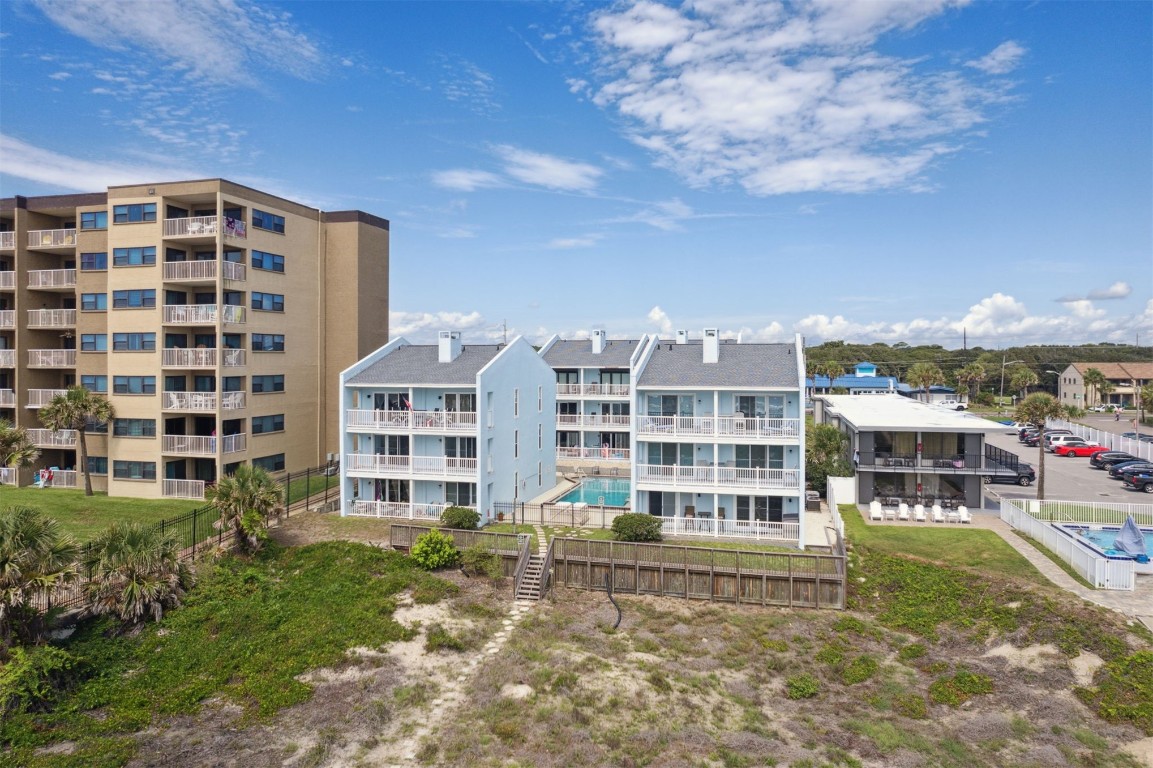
(952, 405)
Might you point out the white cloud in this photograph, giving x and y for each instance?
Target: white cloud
(784, 98)
(548, 170)
(26, 161)
(661, 320)
(416, 326)
(466, 180)
(1001, 60)
(565, 243)
(222, 41)
(466, 83)
(60, 75)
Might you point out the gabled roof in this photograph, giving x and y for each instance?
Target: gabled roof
(416, 364)
(578, 353)
(741, 366)
(1119, 371)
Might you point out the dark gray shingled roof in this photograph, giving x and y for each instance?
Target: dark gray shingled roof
(756, 366)
(417, 364)
(578, 353)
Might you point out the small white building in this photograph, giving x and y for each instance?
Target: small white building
(448, 424)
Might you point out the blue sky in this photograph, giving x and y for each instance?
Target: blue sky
(868, 171)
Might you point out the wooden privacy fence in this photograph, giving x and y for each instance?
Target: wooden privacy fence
(699, 573)
(507, 544)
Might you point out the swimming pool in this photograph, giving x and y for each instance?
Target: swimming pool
(591, 490)
(1101, 538)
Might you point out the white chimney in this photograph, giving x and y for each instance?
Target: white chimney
(598, 342)
(712, 345)
(682, 337)
(449, 346)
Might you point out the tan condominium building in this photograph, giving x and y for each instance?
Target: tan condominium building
(216, 318)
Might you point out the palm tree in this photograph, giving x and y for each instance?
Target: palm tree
(833, 370)
(36, 556)
(970, 377)
(1106, 388)
(16, 448)
(1022, 379)
(924, 375)
(244, 500)
(1094, 380)
(1037, 409)
(135, 572)
(76, 409)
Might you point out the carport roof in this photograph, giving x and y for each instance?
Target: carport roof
(894, 413)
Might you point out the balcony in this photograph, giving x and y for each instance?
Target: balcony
(203, 401)
(7, 281)
(183, 489)
(7, 241)
(564, 453)
(38, 398)
(234, 358)
(189, 358)
(592, 390)
(399, 509)
(46, 438)
(7, 358)
(719, 477)
(198, 445)
(202, 314)
(50, 358)
(52, 318)
(410, 466)
(7, 398)
(7, 476)
(204, 227)
(759, 530)
(603, 421)
(7, 318)
(52, 279)
(718, 426)
(417, 421)
(50, 239)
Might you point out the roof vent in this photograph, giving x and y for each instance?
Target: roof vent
(682, 337)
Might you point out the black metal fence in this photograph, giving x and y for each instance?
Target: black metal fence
(554, 514)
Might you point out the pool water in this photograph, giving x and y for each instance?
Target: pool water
(1105, 537)
(591, 490)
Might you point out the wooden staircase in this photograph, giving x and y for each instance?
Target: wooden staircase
(531, 582)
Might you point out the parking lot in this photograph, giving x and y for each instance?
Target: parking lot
(1065, 478)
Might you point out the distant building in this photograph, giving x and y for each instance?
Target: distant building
(1127, 379)
(862, 380)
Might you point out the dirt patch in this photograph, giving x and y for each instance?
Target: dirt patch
(1033, 657)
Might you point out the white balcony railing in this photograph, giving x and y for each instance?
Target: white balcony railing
(51, 238)
(65, 438)
(420, 421)
(609, 421)
(233, 271)
(234, 443)
(718, 426)
(7, 358)
(736, 529)
(234, 401)
(190, 314)
(399, 509)
(723, 477)
(189, 358)
(7, 318)
(52, 318)
(190, 270)
(7, 398)
(38, 398)
(425, 466)
(52, 358)
(65, 478)
(190, 226)
(7, 280)
(234, 358)
(7, 241)
(232, 314)
(52, 278)
(190, 401)
(600, 454)
(199, 445)
(183, 489)
(7, 476)
(592, 390)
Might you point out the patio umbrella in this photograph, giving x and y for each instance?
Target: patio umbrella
(1131, 541)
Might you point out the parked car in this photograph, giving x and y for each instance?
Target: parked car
(1142, 436)
(1106, 459)
(1140, 482)
(1025, 476)
(1076, 448)
(1052, 442)
(1032, 438)
(1031, 431)
(1105, 408)
(952, 405)
(1122, 467)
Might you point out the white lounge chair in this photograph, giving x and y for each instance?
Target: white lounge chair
(876, 512)
(963, 515)
(919, 513)
(938, 514)
(903, 511)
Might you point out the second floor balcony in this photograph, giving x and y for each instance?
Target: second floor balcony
(202, 271)
(7, 280)
(719, 426)
(52, 279)
(599, 420)
(757, 478)
(50, 239)
(7, 358)
(51, 358)
(38, 398)
(7, 398)
(52, 318)
(417, 421)
(592, 390)
(7, 241)
(204, 401)
(202, 314)
(7, 318)
(46, 438)
(205, 227)
(603, 453)
(201, 445)
(380, 465)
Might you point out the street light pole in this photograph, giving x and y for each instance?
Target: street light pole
(1001, 397)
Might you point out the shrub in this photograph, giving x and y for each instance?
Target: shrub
(478, 560)
(959, 688)
(911, 652)
(636, 526)
(802, 687)
(434, 550)
(1126, 691)
(460, 517)
(911, 705)
(437, 638)
(32, 678)
(859, 670)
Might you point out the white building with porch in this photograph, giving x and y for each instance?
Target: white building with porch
(425, 427)
(719, 437)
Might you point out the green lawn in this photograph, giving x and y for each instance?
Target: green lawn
(304, 486)
(965, 547)
(606, 534)
(86, 516)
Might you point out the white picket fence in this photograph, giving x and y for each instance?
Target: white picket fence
(1111, 441)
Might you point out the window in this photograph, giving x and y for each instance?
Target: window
(175, 384)
(516, 402)
(270, 221)
(269, 261)
(98, 465)
(93, 342)
(460, 494)
(94, 220)
(262, 424)
(539, 399)
(465, 402)
(269, 383)
(132, 214)
(539, 437)
(93, 262)
(268, 342)
(134, 470)
(94, 383)
(94, 302)
(269, 302)
(232, 384)
(134, 428)
(270, 463)
(134, 299)
(134, 257)
(134, 342)
(516, 443)
(134, 385)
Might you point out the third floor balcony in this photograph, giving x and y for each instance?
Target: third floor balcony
(7, 241)
(592, 390)
(46, 438)
(52, 318)
(203, 401)
(7, 280)
(52, 279)
(51, 358)
(599, 420)
(203, 445)
(202, 271)
(719, 426)
(202, 314)
(7, 398)
(419, 421)
(205, 227)
(7, 318)
(7, 358)
(38, 398)
(52, 239)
